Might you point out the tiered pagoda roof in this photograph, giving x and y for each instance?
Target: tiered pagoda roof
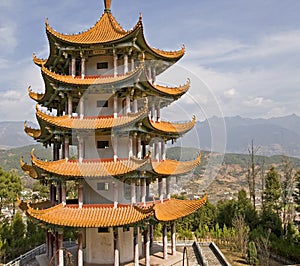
(106, 167)
(106, 215)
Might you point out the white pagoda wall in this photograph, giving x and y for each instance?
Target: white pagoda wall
(100, 246)
(91, 65)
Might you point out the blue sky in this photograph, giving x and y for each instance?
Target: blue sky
(243, 57)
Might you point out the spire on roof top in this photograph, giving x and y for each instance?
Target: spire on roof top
(107, 4)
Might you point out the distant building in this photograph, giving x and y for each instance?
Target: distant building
(101, 97)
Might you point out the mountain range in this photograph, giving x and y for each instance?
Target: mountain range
(273, 136)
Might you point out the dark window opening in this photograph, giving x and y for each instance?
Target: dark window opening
(102, 65)
(102, 144)
(102, 103)
(103, 230)
(102, 186)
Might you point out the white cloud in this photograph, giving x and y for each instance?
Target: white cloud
(8, 40)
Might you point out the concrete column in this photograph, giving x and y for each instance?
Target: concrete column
(160, 189)
(60, 249)
(55, 151)
(115, 107)
(151, 235)
(116, 248)
(52, 194)
(163, 150)
(138, 190)
(143, 191)
(136, 247)
(139, 147)
(154, 75)
(70, 105)
(115, 147)
(152, 111)
(133, 194)
(81, 108)
(158, 119)
(156, 150)
(116, 194)
(73, 67)
(135, 106)
(80, 194)
(173, 238)
(115, 65)
(63, 193)
(147, 189)
(147, 247)
(149, 74)
(82, 67)
(67, 147)
(125, 63)
(132, 64)
(128, 104)
(80, 148)
(168, 179)
(165, 241)
(130, 152)
(80, 249)
(51, 245)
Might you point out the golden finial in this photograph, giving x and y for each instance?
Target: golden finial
(107, 4)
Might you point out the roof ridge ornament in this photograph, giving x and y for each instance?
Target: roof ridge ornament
(107, 4)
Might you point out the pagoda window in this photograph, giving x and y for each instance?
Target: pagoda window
(103, 186)
(102, 144)
(102, 65)
(103, 230)
(102, 103)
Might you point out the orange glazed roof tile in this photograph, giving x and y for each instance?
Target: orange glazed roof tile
(173, 90)
(29, 169)
(172, 167)
(90, 123)
(90, 80)
(88, 168)
(38, 61)
(105, 30)
(90, 215)
(169, 54)
(169, 127)
(32, 132)
(34, 95)
(174, 209)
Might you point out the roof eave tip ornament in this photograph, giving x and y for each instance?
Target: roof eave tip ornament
(141, 17)
(107, 4)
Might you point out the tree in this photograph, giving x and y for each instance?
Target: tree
(10, 187)
(242, 233)
(252, 253)
(296, 194)
(252, 172)
(272, 192)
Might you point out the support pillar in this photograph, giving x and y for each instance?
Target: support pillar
(81, 107)
(51, 245)
(115, 107)
(125, 63)
(147, 246)
(80, 248)
(128, 104)
(165, 242)
(158, 114)
(73, 67)
(136, 247)
(152, 111)
(139, 147)
(116, 194)
(130, 152)
(115, 65)
(132, 64)
(80, 194)
(135, 106)
(115, 147)
(151, 235)
(80, 148)
(160, 189)
(154, 75)
(63, 193)
(173, 238)
(168, 179)
(116, 248)
(156, 150)
(138, 191)
(67, 147)
(60, 249)
(82, 67)
(143, 191)
(163, 150)
(70, 105)
(133, 194)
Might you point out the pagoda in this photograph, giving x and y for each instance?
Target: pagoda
(102, 102)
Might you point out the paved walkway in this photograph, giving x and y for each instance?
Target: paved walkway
(156, 259)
